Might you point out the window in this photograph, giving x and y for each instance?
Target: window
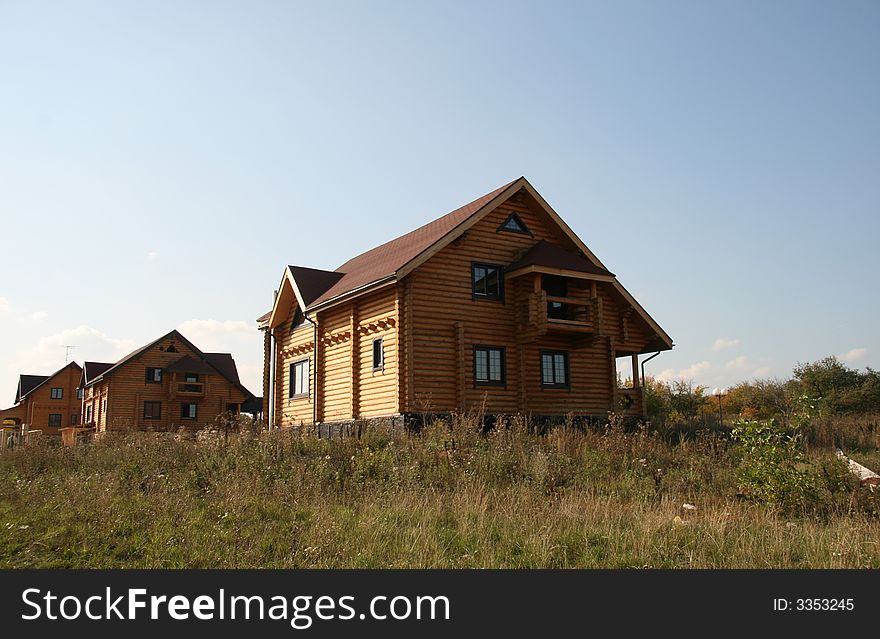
(489, 366)
(152, 410)
(154, 375)
(55, 419)
(192, 377)
(515, 225)
(554, 369)
(299, 379)
(488, 281)
(378, 354)
(189, 411)
(79, 393)
(104, 406)
(88, 414)
(57, 393)
(298, 320)
(74, 419)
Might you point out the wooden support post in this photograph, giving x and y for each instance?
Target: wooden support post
(635, 367)
(612, 354)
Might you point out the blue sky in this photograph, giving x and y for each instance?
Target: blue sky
(161, 162)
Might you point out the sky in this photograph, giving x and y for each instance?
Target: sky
(161, 162)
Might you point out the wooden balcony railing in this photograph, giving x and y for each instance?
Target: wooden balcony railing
(188, 389)
(552, 313)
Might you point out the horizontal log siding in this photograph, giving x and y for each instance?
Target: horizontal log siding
(441, 295)
(379, 390)
(39, 404)
(293, 346)
(126, 391)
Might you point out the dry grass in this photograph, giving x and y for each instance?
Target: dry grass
(449, 497)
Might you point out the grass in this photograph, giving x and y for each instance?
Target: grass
(448, 497)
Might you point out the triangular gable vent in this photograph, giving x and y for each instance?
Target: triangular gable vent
(514, 224)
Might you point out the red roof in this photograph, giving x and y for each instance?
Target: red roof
(385, 260)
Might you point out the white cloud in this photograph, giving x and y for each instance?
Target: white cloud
(39, 316)
(152, 256)
(4, 305)
(689, 374)
(723, 343)
(737, 363)
(47, 355)
(762, 372)
(854, 355)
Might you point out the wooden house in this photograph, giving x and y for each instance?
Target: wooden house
(498, 304)
(46, 403)
(166, 385)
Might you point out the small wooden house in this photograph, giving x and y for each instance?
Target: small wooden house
(498, 304)
(46, 403)
(166, 385)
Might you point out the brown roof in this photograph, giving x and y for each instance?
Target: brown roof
(91, 370)
(27, 384)
(225, 365)
(187, 364)
(313, 282)
(550, 255)
(222, 362)
(383, 261)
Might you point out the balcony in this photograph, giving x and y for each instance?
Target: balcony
(187, 389)
(557, 314)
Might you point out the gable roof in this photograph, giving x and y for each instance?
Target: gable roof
(385, 260)
(27, 384)
(91, 370)
(552, 256)
(397, 258)
(222, 363)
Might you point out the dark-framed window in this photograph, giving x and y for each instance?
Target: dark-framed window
(378, 353)
(57, 393)
(487, 281)
(79, 393)
(299, 379)
(152, 410)
(74, 419)
(489, 366)
(55, 419)
(554, 369)
(514, 224)
(154, 376)
(298, 320)
(189, 411)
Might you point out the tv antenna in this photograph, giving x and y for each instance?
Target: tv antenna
(67, 348)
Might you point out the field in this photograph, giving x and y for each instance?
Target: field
(451, 496)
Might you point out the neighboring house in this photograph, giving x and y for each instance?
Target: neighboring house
(46, 402)
(496, 305)
(167, 384)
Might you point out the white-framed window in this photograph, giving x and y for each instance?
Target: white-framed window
(299, 379)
